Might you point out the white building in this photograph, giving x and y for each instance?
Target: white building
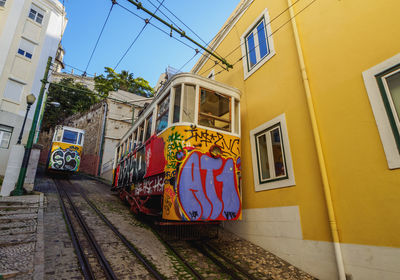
(30, 32)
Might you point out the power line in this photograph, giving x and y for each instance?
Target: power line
(181, 22)
(98, 38)
(137, 37)
(280, 27)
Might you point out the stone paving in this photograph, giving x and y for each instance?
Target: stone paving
(20, 219)
(30, 250)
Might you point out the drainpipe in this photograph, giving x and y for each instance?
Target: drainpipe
(318, 146)
(103, 129)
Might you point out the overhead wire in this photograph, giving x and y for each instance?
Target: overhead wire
(272, 33)
(137, 36)
(98, 38)
(155, 26)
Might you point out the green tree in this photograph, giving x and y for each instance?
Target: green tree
(73, 98)
(114, 81)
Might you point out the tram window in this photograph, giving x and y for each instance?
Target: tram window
(177, 104)
(189, 99)
(162, 114)
(148, 127)
(140, 133)
(237, 115)
(214, 110)
(130, 143)
(70, 136)
(134, 140)
(80, 138)
(58, 135)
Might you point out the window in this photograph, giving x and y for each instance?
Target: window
(140, 133)
(383, 87)
(272, 166)
(80, 139)
(26, 48)
(215, 110)
(70, 136)
(36, 14)
(2, 3)
(189, 100)
(177, 104)
(257, 44)
(162, 114)
(5, 136)
(13, 90)
(149, 123)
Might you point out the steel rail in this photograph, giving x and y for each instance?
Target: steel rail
(222, 266)
(238, 268)
(99, 253)
(146, 263)
(83, 260)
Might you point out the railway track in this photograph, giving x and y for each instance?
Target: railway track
(95, 263)
(224, 267)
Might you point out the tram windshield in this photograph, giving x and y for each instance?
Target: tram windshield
(72, 137)
(215, 110)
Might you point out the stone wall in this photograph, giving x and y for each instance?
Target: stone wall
(90, 121)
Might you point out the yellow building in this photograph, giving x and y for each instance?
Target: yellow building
(320, 131)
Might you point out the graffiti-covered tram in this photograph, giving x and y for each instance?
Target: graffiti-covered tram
(66, 149)
(181, 158)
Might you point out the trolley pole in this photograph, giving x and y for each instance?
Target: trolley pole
(19, 189)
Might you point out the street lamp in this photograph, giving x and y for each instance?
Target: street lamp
(30, 99)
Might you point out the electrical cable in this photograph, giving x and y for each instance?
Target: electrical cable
(98, 38)
(80, 70)
(272, 33)
(137, 37)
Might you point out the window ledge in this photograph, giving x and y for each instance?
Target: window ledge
(34, 22)
(24, 58)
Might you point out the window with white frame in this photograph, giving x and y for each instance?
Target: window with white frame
(5, 136)
(26, 48)
(383, 87)
(257, 44)
(36, 14)
(2, 3)
(13, 90)
(272, 164)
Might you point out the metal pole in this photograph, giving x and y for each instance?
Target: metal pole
(19, 189)
(23, 124)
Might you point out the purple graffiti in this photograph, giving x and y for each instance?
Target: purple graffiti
(207, 188)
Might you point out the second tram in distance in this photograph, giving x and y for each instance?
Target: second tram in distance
(181, 158)
(66, 149)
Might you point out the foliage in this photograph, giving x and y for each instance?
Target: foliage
(114, 81)
(73, 98)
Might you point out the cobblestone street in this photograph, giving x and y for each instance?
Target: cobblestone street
(28, 252)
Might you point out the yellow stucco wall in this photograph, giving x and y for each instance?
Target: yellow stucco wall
(340, 40)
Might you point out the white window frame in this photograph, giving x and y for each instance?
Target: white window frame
(37, 11)
(26, 48)
(5, 129)
(269, 40)
(274, 182)
(2, 3)
(380, 112)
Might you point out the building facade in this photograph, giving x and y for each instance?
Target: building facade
(104, 123)
(320, 128)
(30, 32)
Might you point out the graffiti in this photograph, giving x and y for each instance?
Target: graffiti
(67, 159)
(205, 138)
(150, 186)
(174, 145)
(207, 186)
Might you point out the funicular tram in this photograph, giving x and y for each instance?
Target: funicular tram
(66, 149)
(181, 158)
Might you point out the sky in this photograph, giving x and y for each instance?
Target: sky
(154, 50)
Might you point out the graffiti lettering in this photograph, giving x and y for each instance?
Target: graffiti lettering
(208, 186)
(193, 214)
(150, 186)
(67, 159)
(213, 138)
